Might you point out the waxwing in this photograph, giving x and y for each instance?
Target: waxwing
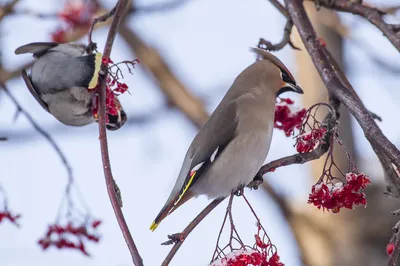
(61, 79)
(230, 148)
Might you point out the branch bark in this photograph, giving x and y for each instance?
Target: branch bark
(372, 14)
(190, 228)
(110, 183)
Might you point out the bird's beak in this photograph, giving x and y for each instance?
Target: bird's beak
(295, 88)
(286, 86)
(116, 122)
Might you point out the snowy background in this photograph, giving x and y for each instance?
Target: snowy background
(206, 43)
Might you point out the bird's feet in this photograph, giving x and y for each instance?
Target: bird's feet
(91, 47)
(174, 238)
(257, 181)
(239, 192)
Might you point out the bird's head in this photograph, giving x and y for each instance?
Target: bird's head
(115, 122)
(275, 73)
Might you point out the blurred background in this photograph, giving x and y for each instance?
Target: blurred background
(200, 46)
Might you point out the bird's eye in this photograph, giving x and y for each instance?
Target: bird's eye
(286, 78)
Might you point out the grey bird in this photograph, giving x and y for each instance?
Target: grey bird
(230, 148)
(61, 79)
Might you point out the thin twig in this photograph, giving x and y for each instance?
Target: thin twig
(330, 123)
(118, 12)
(42, 132)
(286, 31)
(216, 252)
(102, 18)
(264, 44)
(190, 228)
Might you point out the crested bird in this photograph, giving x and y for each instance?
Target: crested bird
(232, 145)
(61, 78)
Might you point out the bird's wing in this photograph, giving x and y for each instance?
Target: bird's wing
(36, 48)
(33, 91)
(211, 140)
(54, 72)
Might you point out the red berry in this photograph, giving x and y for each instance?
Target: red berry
(390, 248)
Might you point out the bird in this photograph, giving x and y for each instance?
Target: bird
(61, 80)
(229, 149)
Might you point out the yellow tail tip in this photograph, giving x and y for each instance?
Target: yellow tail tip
(95, 78)
(153, 226)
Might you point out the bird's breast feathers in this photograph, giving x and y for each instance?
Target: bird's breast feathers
(71, 106)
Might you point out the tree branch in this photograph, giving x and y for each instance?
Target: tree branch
(41, 131)
(287, 31)
(332, 77)
(172, 87)
(372, 14)
(111, 187)
(264, 44)
(189, 228)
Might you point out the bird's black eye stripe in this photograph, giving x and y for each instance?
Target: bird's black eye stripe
(286, 78)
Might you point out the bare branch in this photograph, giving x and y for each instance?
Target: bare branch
(102, 18)
(118, 12)
(41, 131)
(189, 228)
(264, 44)
(372, 14)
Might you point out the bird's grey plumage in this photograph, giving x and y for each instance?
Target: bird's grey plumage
(242, 126)
(60, 78)
(233, 144)
(63, 66)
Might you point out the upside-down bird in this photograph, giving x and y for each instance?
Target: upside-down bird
(230, 148)
(61, 78)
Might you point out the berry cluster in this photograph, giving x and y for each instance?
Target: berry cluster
(286, 118)
(333, 197)
(60, 236)
(113, 86)
(247, 257)
(6, 215)
(308, 141)
(75, 15)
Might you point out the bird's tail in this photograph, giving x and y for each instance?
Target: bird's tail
(170, 207)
